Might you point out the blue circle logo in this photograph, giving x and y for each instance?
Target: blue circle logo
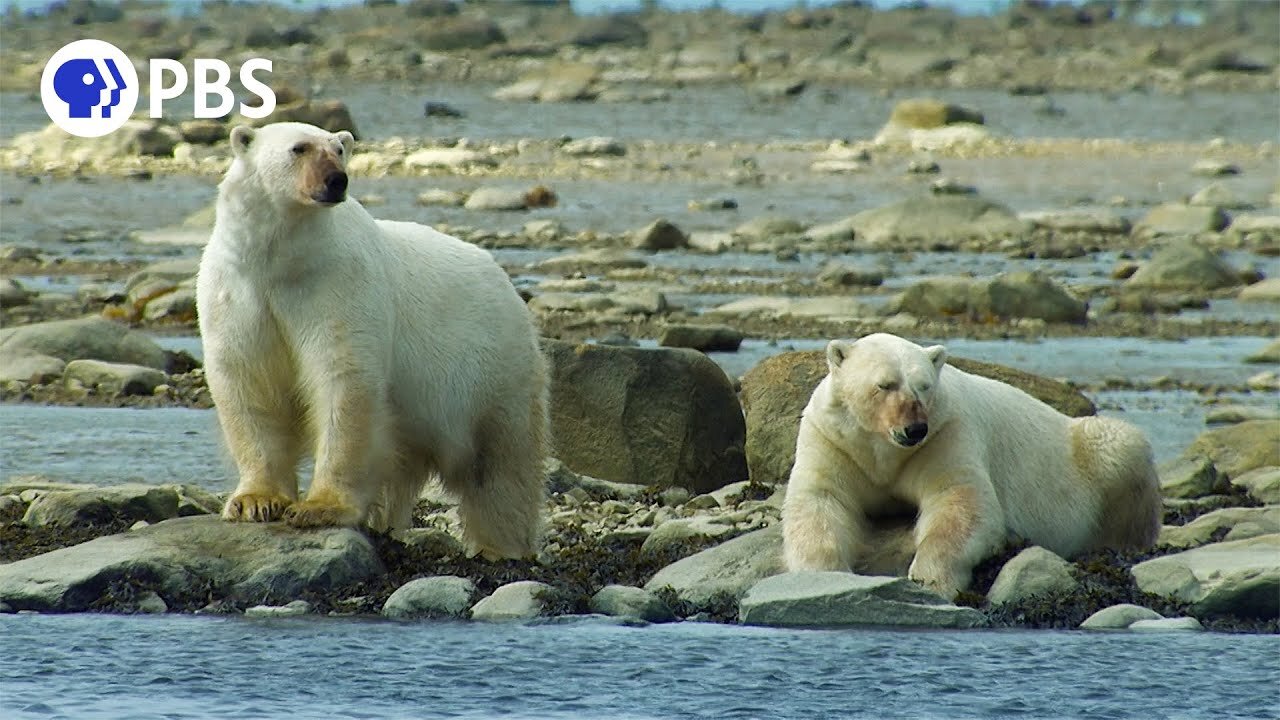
(89, 88)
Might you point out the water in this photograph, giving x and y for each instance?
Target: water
(92, 667)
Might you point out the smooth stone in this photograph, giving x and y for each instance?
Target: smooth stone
(1179, 624)
(112, 379)
(839, 599)
(1240, 578)
(294, 608)
(1034, 572)
(523, 600)
(1119, 617)
(444, 596)
(725, 571)
(626, 601)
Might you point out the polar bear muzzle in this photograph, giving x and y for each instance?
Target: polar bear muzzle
(323, 177)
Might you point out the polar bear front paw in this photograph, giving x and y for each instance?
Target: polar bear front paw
(322, 513)
(255, 507)
(943, 583)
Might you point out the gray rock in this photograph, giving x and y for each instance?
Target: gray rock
(707, 338)
(1034, 572)
(443, 596)
(626, 601)
(835, 307)
(599, 260)
(680, 530)
(328, 114)
(560, 82)
(1270, 353)
(12, 294)
(1180, 624)
(1019, 294)
(1262, 484)
(293, 608)
(837, 599)
(594, 146)
(1118, 617)
(1256, 520)
(1181, 219)
(449, 158)
(613, 29)
(549, 302)
(641, 301)
(936, 218)
(842, 275)
(928, 113)
(27, 367)
(1232, 414)
(265, 561)
(1214, 168)
(170, 271)
(522, 600)
(1192, 477)
(659, 235)
(499, 199)
(1217, 195)
(131, 501)
(440, 197)
(561, 479)
(1093, 222)
(1237, 449)
(663, 417)
(767, 227)
(726, 570)
(112, 379)
(460, 33)
(86, 338)
(1240, 578)
(178, 306)
(1184, 265)
(1267, 290)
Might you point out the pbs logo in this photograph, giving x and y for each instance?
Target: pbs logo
(89, 88)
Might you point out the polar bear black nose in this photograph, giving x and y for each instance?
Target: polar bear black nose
(915, 432)
(335, 186)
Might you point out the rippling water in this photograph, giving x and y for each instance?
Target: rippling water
(93, 667)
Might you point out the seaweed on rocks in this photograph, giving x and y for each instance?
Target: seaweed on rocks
(19, 541)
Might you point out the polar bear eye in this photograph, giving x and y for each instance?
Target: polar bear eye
(926, 387)
(299, 149)
(887, 385)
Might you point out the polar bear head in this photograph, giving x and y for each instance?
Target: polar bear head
(292, 164)
(885, 385)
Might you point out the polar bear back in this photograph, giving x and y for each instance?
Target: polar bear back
(1019, 441)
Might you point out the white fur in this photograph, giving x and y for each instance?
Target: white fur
(387, 350)
(996, 464)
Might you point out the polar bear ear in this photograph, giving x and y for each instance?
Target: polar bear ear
(837, 351)
(348, 142)
(241, 139)
(937, 355)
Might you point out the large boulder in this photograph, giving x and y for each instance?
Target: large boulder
(1232, 523)
(135, 138)
(563, 82)
(331, 115)
(834, 599)
(634, 602)
(92, 338)
(460, 33)
(930, 122)
(1019, 294)
(443, 596)
(1181, 219)
(1237, 449)
(935, 219)
(775, 392)
(112, 379)
(1184, 265)
(523, 600)
(613, 29)
(659, 416)
(92, 505)
(264, 561)
(1240, 578)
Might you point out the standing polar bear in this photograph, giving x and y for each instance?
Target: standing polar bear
(388, 351)
(893, 428)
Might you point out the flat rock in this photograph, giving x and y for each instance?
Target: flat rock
(522, 600)
(264, 561)
(594, 146)
(296, 608)
(707, 338)
(1261, 483)
(837, 599)
(1240, 578)
(599, 259)
(500, 199)
(92, 338)
(1184, 264)
(679, 530)
(94, 505)
(1181, 219)
(448, 158)
(1237, 449)
(1093, 222)
(834, 307)
(634, 602)
(1269, 353)
(1267, 290)
(112, 379)
(935, 218)
(659, 235)
(1189, 477)
(1250, 521)
(1018, 294)
(1179, 624)
(1118, 617)
(1034, 572)
(30, 367)
(728, 569)
(442, 596)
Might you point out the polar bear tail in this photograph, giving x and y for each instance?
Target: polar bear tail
(1115, 459)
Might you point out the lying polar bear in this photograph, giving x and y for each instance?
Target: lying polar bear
(893, 427)
(387, 351)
